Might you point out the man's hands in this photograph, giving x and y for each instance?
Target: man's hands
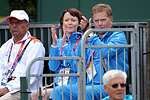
(3, 91)
(84, 27)
(83, 24)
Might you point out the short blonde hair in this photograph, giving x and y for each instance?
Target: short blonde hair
(102, 7)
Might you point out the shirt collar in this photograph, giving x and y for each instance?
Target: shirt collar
(75, 36)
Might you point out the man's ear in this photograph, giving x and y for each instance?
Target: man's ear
(106, 88)
(28, 26)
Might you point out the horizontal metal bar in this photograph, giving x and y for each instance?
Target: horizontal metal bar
(111, 29)
(56, 58)
(108, 46)
(43, 25)
(53, 75)
(4, 27)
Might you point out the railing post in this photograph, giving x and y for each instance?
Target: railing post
(40, 95)
(23, 88)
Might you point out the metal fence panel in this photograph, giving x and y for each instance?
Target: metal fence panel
(42, 32)
(82, 93)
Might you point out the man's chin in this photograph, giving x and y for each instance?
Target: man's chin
(14, 32)
(120, 96)
(101, 32)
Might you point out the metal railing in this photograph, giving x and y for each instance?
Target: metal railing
(42, 32)
(133, 50)
(82, 75)
(28, 75)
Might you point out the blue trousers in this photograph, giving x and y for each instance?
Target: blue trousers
(66, 92)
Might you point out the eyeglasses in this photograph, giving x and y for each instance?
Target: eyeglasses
(116, 85)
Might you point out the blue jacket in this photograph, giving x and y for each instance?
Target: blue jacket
(67, 51)
(109, 38)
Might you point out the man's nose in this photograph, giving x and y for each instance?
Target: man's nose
(14, 24)
(100, 23)
(119, 87)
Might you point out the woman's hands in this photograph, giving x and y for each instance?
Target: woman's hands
(64, 36)
(54, 36)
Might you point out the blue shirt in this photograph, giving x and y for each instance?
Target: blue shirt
(126, 97)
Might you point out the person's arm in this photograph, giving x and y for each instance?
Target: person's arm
(4, 90)
(117, 38)
(4, 55)
(54, 64)
(1, 61)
